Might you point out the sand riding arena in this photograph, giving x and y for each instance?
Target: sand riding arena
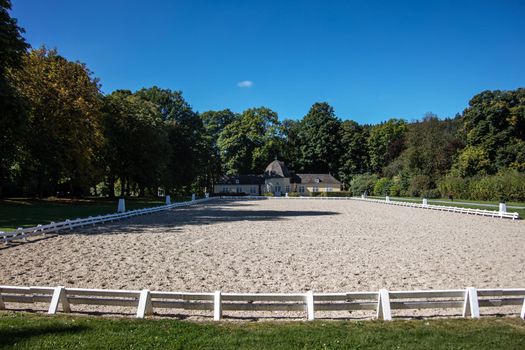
(279, 246)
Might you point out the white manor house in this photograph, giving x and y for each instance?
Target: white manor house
(278, 181)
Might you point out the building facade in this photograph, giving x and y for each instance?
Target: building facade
(279, 181)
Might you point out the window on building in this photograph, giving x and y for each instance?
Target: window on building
(287, 189)
(317, 181)
(301, 189)
(277, 189)
(329, 189)
(253, 190)
(315, 189)
(225, 189)
(239, 189)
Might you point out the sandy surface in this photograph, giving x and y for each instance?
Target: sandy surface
(279, 246)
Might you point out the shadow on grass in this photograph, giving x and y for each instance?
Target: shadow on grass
(12, 336)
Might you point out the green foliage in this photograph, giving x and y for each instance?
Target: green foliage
(268, 194)
(508, 185)
(430, 146)
(294, 194)
(188, 150)
(454, 186)
(250, 142)
(363, 184)
(136, 142)
(354, 157)
(471, 161)
(64, 131)
(495, 124)
(385, 143)
(319, 140)
(382, 187)
(12, 107)
(419, 185)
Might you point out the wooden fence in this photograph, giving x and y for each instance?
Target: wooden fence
(481, 212)
(55, 227)
(383, 302)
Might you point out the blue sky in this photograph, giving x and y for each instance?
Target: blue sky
(371, 60)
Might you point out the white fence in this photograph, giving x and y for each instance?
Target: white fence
(469, 300)
(54, 227)
(481, 212)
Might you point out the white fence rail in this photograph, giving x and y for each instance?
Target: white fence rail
(481, 212)
(452, 209)
(54, 227)
(383, 302)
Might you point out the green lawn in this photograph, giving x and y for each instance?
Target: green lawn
(36, 331)
(472, 204)
(30, 212)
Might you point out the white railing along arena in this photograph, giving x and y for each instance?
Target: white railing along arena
(54, 227)
(470, 300)
(425, 205)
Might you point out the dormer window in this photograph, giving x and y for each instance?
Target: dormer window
(317, 180)
(236, 181)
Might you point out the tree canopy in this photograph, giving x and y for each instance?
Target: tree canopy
(59, 134)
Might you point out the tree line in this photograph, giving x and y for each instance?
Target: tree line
(61, 135)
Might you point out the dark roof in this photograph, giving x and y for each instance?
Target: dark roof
(276, 169)
(243, 180)
(310, 179)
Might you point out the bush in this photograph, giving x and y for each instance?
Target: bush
(395, 190)
(268, 194)
(362, 183)
(507, 185)
(453, 186)
(382, 187)
(418, 185)
(294, 194)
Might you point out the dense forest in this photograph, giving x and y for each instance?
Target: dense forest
(60, 135)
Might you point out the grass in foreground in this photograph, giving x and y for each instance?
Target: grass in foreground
(21, 212)
(28, 331)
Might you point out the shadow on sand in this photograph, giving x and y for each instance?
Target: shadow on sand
(202, 214)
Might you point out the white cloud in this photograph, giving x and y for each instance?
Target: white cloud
(245, 84)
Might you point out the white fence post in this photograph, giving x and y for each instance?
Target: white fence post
(121, 205)
(59, 297)
(523, 310)
(425, 201)
(502, 207)
(207, 195)
(387, 199)
(471, 305)
(217, 306)
(168, 200)
(383, 306)
(310, 311)
(145, 306)
(193, 197)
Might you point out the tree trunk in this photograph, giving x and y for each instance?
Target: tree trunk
(122, 186)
